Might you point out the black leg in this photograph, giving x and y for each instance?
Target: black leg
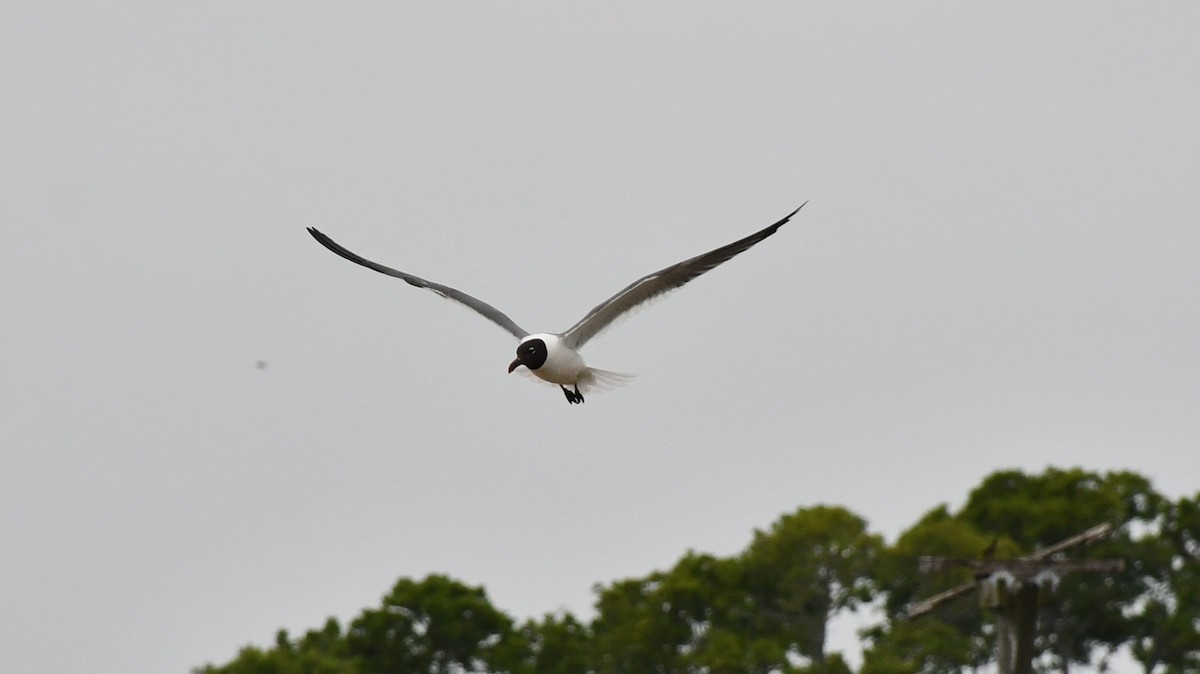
(578, 395)
(573, 397)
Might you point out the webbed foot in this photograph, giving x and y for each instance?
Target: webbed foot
(573, 397)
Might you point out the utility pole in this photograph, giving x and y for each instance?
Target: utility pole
(1013, 587)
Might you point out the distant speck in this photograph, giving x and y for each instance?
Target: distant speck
(262, 364)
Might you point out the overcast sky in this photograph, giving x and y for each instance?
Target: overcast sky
(997, 268)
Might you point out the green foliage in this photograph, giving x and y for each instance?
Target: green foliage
(937, 533)
(633, 632)
(928, 646)
(317, 652)
(556, 645)
(954, 636)
(1089, 616)
(766, 610)
(760, 611)
(1038, 510)
(812, 564)
(437, 626)
(433, 626)
(1087, 613)
(1166, 629)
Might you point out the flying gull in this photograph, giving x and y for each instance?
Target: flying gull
(554, 357)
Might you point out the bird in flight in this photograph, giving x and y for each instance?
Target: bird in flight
(554, 357)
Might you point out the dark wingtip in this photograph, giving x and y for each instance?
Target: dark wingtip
(789, 215)
(785, 218)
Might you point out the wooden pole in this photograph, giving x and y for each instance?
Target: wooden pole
(1016, 617)
(1025, 608)
(1016, 626)
(1006, 641)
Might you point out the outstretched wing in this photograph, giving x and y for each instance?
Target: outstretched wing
(483, 308)
(661, 281)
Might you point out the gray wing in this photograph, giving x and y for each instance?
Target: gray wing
(483, 308)
(652, 285)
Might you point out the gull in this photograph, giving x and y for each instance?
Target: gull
(554, 357)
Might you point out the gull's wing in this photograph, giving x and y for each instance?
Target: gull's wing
(483, 308)
(664, 280)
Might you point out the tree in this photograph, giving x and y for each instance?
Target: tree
(632, 632)
(701, 616)
(1088, 612)
(766, 610)
(558, 644)
(956, 635)
(708, 598)
(927, 646)
(317, 652)
(809, 566)
(435, 626)
(1165, 625)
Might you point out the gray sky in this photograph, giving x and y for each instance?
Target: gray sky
(997, 268)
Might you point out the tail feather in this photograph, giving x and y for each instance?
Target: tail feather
(594, 379)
